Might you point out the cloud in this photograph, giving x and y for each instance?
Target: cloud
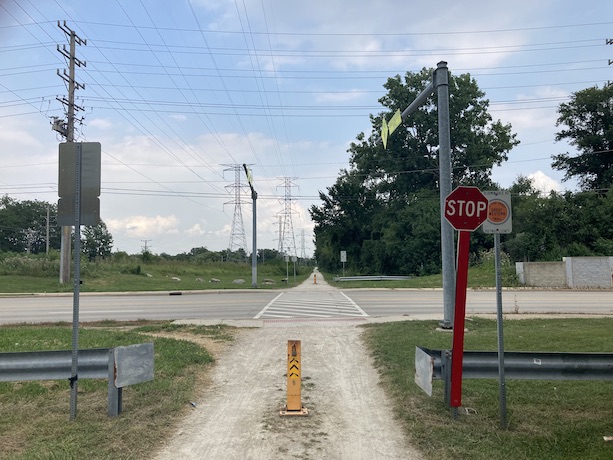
(344, 96)
(100, 123)
(195, 230)
(143, 226)
(543, 183)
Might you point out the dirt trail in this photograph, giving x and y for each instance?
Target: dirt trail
(237, 416)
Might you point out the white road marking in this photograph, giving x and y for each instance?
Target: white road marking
(267, 306)
(315, 305)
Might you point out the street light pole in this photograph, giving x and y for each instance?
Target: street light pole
(254, 252)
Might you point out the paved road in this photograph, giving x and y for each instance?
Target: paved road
(305, 301)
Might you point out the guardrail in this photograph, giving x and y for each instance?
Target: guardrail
(122, 366)
(371, 278)
(436, 364)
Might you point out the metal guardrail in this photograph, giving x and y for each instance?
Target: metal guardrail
(371, 278)
(122, 366)
(436, 364)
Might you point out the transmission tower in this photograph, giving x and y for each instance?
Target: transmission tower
(287, 240)
(237, 234)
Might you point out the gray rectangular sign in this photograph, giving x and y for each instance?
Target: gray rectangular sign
(91, 153)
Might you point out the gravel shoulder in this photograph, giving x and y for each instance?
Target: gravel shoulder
(237, 415)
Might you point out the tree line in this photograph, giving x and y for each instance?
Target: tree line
(384, 209)
(30, 226)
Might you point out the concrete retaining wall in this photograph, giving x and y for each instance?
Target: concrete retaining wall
(589, 272)
(541, 274)
(572, 272)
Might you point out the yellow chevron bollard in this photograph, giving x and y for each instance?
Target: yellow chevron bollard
(294, 383)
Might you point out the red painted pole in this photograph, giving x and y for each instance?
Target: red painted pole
(457, 352)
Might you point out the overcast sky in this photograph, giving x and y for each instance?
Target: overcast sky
(179, 92)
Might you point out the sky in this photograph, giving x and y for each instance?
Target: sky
(181, 94)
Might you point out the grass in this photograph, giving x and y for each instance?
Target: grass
(115, 277)
(547, 419)
(34, 415)
(480, 276)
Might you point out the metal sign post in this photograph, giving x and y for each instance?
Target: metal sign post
(78, 189)
(343, 260)
(74, 376)
(499, 220)
(440, 84)
(465, 209)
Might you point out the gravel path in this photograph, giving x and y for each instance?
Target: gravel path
(237, 416)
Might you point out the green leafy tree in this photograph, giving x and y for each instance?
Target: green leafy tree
(343, 221)
(96, 241)
(547, 228)
(23, 226)
(378, 209)
(588, 126)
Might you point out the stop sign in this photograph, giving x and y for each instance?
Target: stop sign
(466, 208)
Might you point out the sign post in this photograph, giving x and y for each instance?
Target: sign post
(499, 221)
(343, 260)
(465, 209)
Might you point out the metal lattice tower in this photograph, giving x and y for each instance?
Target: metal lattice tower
(237, 234)
(287, 240)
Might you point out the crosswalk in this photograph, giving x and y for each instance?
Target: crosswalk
(301, 304)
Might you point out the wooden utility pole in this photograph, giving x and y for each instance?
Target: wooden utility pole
(67, 129)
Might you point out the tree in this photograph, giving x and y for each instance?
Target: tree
(378, 209)
(23, 226)
(343, 221)
(410, 163)
(588, 121)
(96, 241)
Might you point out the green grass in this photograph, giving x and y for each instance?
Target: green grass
(547, 419)
(34, 416)
(115, 277)
(480, 276)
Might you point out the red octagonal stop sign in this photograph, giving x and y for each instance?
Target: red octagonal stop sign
(466, 208)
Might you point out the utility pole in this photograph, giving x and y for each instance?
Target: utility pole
(67, 129)
(254, 249)
(280, 248)
(302, 246)
(47, 239)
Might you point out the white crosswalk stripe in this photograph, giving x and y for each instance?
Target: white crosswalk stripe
(302, 304)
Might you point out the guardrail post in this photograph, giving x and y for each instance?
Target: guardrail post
(114, 393)
(446, 374)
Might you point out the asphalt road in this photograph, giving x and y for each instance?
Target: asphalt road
(316, 302)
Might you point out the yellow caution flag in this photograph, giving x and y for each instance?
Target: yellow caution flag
(384, 133)
(395, 122)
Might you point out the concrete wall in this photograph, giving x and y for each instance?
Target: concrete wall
(572, 272)
(589, 272)
(541, 274)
